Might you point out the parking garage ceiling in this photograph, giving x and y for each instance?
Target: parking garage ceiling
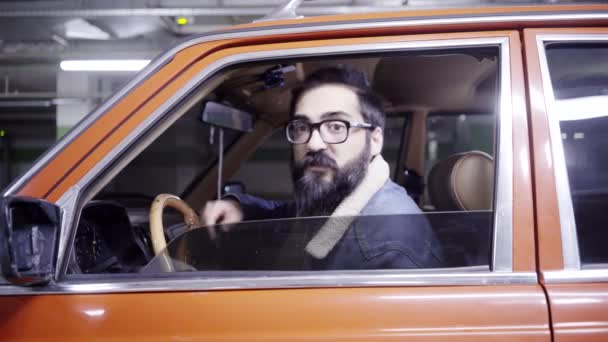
(36, 35)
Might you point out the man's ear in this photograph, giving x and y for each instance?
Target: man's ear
(376, 141)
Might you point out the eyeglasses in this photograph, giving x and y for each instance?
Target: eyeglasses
(332, 131)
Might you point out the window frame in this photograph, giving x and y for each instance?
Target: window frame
(501, 267)
(573, 270)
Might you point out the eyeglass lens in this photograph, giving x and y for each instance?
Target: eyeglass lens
(331, 131)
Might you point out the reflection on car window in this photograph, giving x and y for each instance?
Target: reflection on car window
(453, 240)
(579, 74)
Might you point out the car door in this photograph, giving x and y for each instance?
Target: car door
(491, 301)
(567, 69)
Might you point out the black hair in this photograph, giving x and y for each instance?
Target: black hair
(369, 102)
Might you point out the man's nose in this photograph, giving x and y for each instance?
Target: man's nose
(316, 143)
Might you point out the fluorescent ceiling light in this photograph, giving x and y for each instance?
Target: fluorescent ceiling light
(104, 65)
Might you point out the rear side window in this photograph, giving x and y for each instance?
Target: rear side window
(579, 76)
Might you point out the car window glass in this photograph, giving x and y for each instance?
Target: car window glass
(456, 133)
(579, 76)
(176, 159)
(396, 126)
(393, 230)
(282, 245)
(187, 149)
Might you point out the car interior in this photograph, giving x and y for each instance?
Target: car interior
(440, 143)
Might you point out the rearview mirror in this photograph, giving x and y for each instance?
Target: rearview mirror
(29, 235)
(225, 116)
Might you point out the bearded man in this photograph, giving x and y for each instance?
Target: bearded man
(336, 132)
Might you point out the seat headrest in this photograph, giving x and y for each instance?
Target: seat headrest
(463, 181)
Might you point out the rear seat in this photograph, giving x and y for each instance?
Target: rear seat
(461, 188)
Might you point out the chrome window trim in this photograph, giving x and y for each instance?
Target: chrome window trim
(568, 232)
(591, 275)
(68, 219)
(326, 279)
(502, 257)
(166, 57)
(502, 253)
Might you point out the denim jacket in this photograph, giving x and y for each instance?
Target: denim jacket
(391, 232)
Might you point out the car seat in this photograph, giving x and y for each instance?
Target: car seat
(461, 188)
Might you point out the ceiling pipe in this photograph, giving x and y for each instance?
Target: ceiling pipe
(199, 11)
(264, 7)
(26, 104)
(52, 95)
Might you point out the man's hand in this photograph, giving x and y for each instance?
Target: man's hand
(221, 212)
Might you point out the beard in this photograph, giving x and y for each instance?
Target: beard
(317, 196)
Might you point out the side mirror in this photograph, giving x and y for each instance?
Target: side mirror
(29, 235)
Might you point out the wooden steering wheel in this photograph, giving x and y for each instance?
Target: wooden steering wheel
(157, 231)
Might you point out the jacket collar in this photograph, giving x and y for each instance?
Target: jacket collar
(334, 228)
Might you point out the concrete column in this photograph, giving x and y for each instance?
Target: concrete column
(77, 86)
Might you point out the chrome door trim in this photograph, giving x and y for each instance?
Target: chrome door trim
(567, 221)
(266, 280)
(166, 57)
(502, 253)
(502, 256)
(591, 275)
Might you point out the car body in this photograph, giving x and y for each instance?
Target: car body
(534, 286)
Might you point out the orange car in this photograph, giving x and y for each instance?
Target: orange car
(496, 122)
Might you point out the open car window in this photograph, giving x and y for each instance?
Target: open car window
(443, 218)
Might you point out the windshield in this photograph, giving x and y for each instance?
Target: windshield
(315, 243)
